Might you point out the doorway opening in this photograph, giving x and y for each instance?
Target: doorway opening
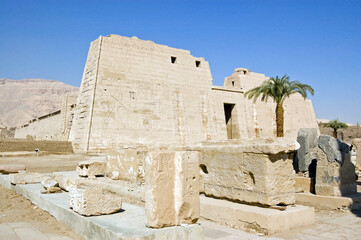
(230, 123)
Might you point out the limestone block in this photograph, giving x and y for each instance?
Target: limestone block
(249, 173)
(254, 218)
(304, 184)
(24, 178)
(356, 142)
(127, 165)
(65, 182)
(335, 173)
(91, 168)
(172, 188)
(89, 201)
(307, 138)
(11, 168)
(49, 182)
(51, 190)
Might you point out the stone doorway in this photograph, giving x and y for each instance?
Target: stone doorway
(230, 120)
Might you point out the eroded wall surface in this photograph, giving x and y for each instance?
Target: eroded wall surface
(258, 119)
(48, 128)
(138, 93)
(53, 126)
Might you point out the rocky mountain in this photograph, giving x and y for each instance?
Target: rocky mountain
(23, 100)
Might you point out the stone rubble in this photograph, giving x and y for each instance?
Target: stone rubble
(25, 178)
(92, 201)
(91, 168)
(11, 168)
(307, 138)
(335, 173)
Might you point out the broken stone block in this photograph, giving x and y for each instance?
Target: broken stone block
(356, 142)
(335, 173)
(307, 138)
(258, 172)
(127, 165)
(65, 182)
(172, 188)
(11, 168)
(51, 190)
(91, 168)
(24, 178)
(91, 201)
(304, 184)
(49, 182)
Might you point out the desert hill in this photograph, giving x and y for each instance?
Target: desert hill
(23, 100)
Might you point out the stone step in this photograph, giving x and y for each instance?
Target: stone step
(128, 224)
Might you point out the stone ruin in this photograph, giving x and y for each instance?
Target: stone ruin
(168, 135)
(325, 164)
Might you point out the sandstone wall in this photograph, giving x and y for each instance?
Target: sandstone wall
(138, 93)
(133, 94)
(54, 126)
(79, 133)
(47, 128)
(258, 119)
(67, 115)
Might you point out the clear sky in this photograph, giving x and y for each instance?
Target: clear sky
(317, 42)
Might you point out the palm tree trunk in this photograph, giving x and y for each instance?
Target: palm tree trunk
(279, 119)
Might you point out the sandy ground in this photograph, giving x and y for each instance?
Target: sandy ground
(15, 208)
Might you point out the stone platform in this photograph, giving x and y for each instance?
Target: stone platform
(253, 218)
(125, 225)
(351, 202)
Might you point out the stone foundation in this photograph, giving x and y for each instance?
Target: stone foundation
(258, 172)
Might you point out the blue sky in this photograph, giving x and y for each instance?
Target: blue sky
(315, 42)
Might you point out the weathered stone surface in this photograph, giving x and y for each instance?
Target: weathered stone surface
(51, 190)
(256, 219)
(307, 138)
(249, 173)
(335, 149)
(65, 182)
(335, 173)
(89, 201)
(24, 178)
(172, 188)
(49, 182)
(356, 142)
(304, 184)
(11, 168)
(91, 168)
(125, 101)
(127, 165)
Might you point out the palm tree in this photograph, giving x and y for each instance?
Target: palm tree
(335, 124)
(279, 89)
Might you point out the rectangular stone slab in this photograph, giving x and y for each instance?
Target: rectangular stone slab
(119, 226)
(92, 201)
(260, 173)
(253, 218)
(172, 188)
